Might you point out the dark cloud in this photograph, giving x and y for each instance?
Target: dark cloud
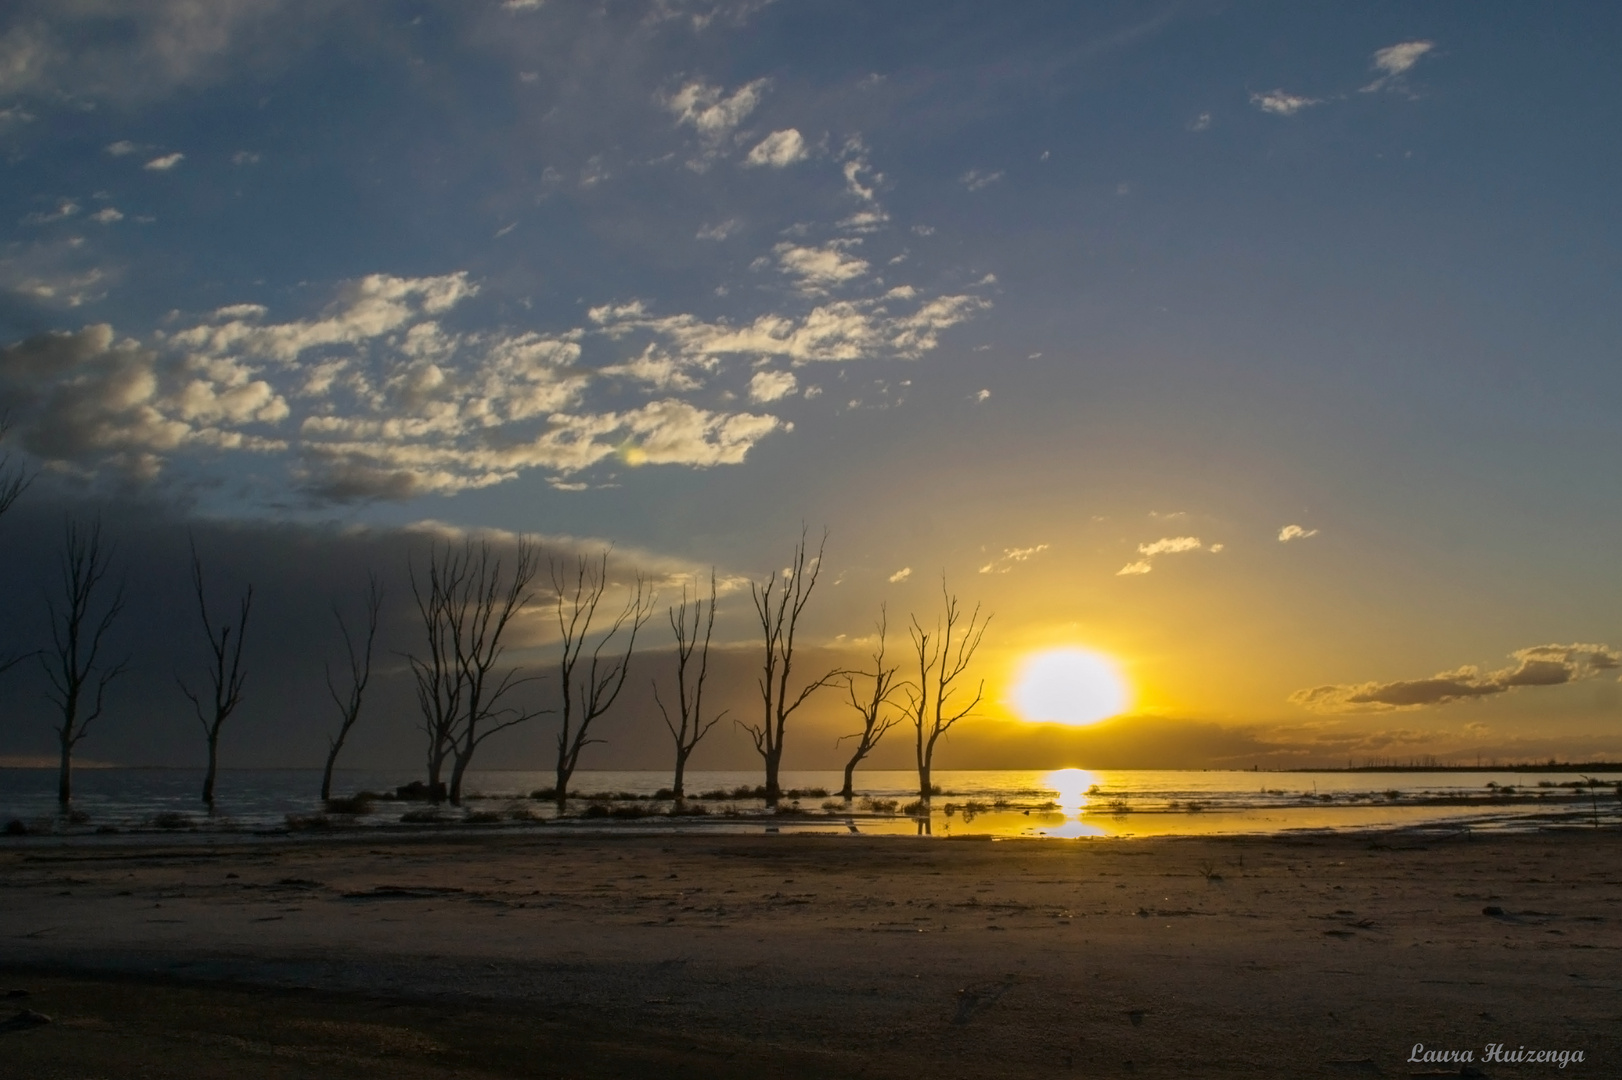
(1540, 665)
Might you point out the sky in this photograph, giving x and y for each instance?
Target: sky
(1267, 349)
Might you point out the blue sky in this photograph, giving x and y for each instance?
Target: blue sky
(1030, 295)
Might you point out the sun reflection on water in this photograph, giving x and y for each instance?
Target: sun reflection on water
(1071, 788)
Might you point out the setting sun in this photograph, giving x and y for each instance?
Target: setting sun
(1069, 686)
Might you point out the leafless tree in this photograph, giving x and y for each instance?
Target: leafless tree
(871, 706)
(438, 680)
(479, 613)
(944, 653)
(579, 584)
(779, 602)
(225, 674)
(468, 605)
(690, 725)
(74, 664)
(360, 673)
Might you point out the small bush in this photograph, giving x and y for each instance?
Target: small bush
(544, 793)
(665, 793)
(974, 806)
(833, 805)
(170, 819)
(747, 792)
(999, 803)
(595, 810)
(15, 827)
(1047, 806)
(631, 812)
(916, 808)
(422, 817)
(879, 806)
(354, 804)
(481, 817)
(715, 795)
(521, 813)
(689, 810)
(804, 793)
(308, 822)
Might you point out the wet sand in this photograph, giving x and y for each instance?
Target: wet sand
(796, 955)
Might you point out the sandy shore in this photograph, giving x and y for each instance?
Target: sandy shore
(499, 955)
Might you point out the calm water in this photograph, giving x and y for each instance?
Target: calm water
(1055, 803)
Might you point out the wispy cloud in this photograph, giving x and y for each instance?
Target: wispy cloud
(710, 110)
(1012, 557)
(1167, 545)
(901, 575)
(1294, 532)
(1394, 60)
(820, 268)
(1540, 665)
(164, 163)
(1280, 103)
(977, 179)
(778, 150)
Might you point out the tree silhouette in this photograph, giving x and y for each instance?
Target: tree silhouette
(870, 705)
(360, 673)
(690, 725)
(73, 664)
(225, 674)
(944, 654)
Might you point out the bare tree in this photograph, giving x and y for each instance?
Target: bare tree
(579, 591)
(77, 637)
(360, 673)
(690, 725)
(779, 602)
(438, 679)
(225, 674)
(478, 613)
(871, 707)
(944, 654)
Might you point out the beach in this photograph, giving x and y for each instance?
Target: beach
(499, 954)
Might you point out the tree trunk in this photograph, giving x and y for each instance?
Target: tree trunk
(213, 768)
(924, 788)
(457, 771)
(561, 789)
(64, 780)
(773, 790)
(848, 792)
(676, 787)
(326, 776)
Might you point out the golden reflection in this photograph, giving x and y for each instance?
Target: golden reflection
(1070, 788)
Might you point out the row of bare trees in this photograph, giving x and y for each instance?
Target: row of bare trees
(467, 599)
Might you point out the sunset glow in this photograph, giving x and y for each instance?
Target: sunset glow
(1070, 686)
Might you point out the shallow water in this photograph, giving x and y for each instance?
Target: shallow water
(1053, 803)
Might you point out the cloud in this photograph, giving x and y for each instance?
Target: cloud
(1280, 103)
(767, 386)
(1168, 545)
(1201, 122)
(1011, 557)
(107, 215)
(658, 369)
(1540, 665)
(1394, 60)
(1294, 532)
(980, 395)
(836, 331)
(901, 575)
(121, 148)
(820, 268)
(976, 179)
(778, 150)
(164, 163)
(712, 112)
(65, 209)
(720, 230)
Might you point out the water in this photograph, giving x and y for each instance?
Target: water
(1051, 803)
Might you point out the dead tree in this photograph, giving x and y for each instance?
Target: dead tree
(225, 674)
(439, 682)
(944, 654)
(73, 664)
(871, 707)
(479, 611)
(779, 602)
(690, 725)
(360, 673)
(578, 593)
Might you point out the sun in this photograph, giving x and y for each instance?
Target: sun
(1070, 686)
